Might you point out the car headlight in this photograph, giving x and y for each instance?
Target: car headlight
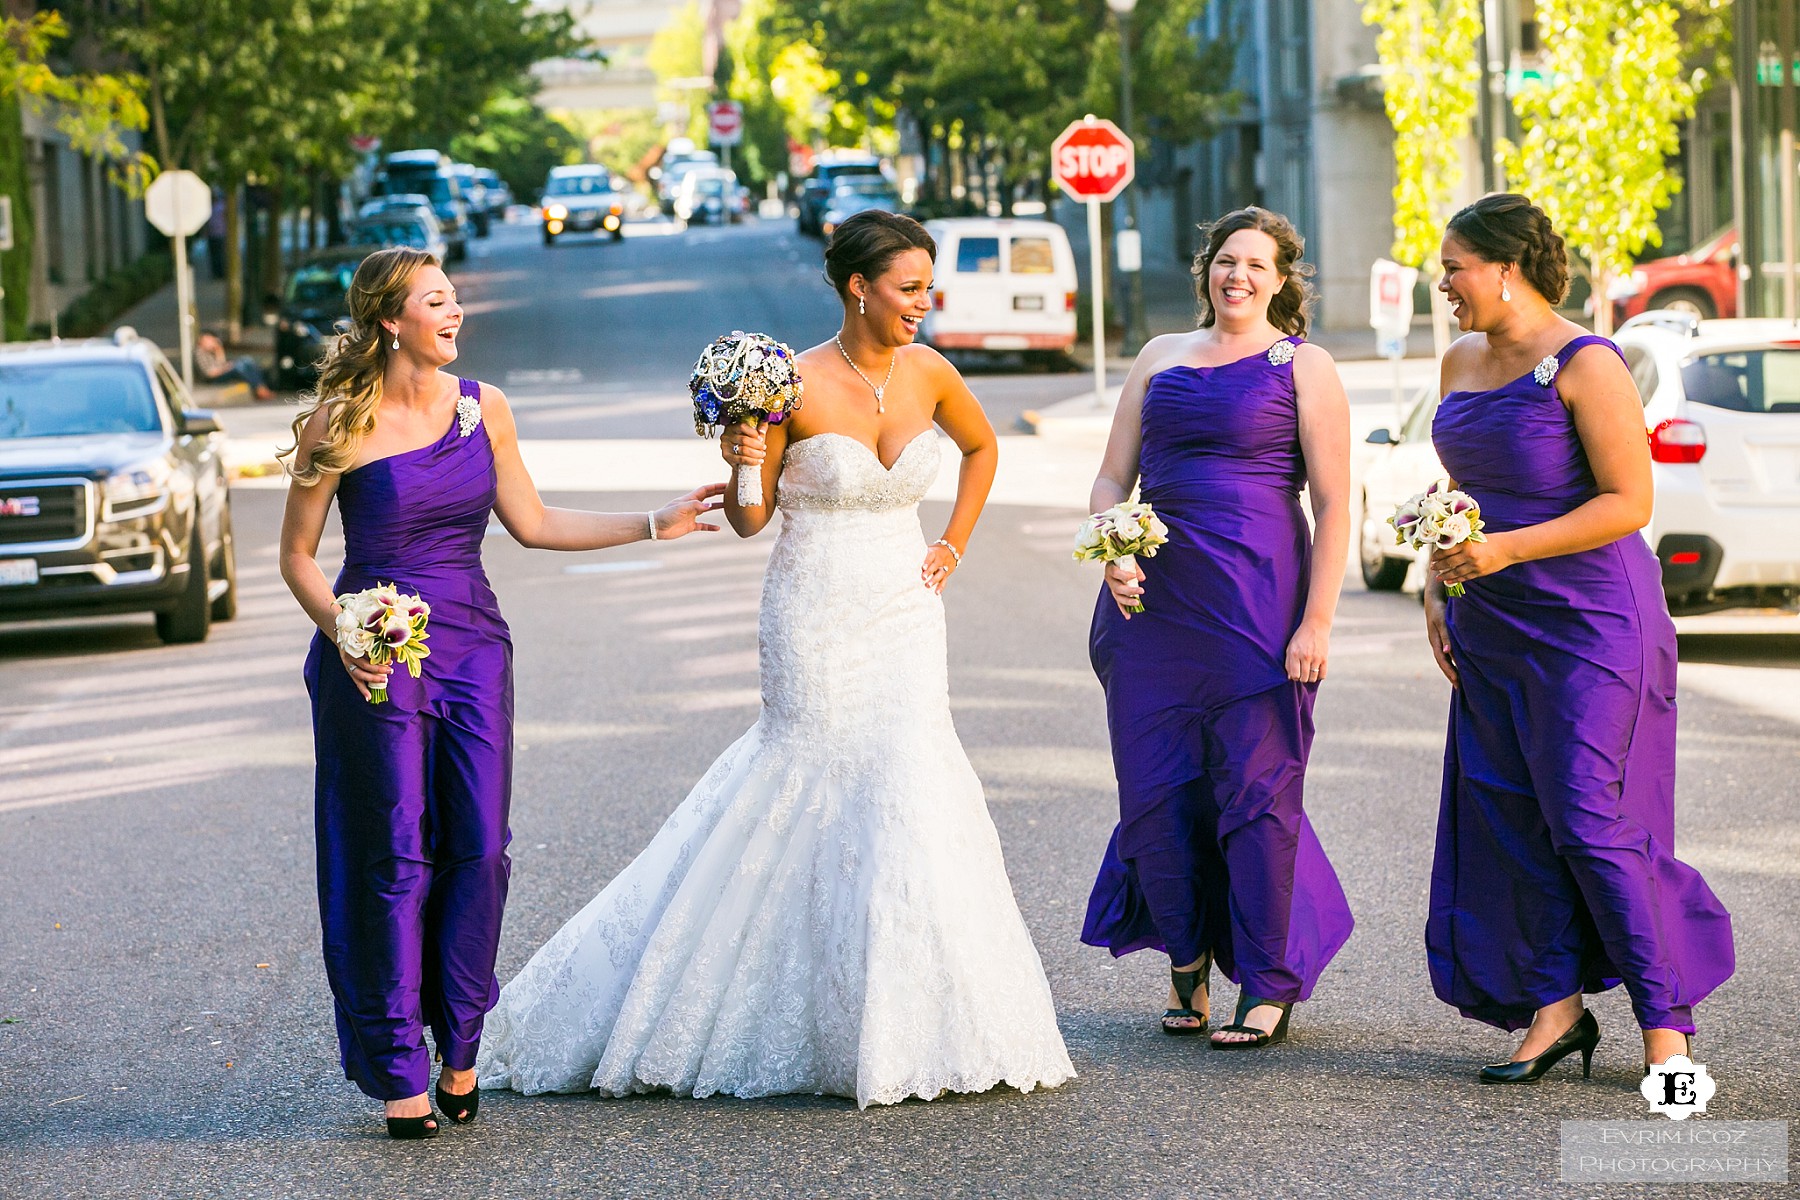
(556, 212)
(1625, 286)
(136, 491)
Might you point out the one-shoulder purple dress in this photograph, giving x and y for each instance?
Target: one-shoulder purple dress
(1555, 871)
(411, 796)
(1213, 851)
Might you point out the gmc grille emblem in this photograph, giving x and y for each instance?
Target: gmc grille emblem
(19, 506)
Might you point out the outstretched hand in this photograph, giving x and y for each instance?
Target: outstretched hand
(681, 517)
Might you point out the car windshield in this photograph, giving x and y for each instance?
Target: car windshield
(1757, 381)
(321, 283)
(72, 399)
(863, 185)
(579, 185)
(433, 186)
(390, 233)
(711, 186)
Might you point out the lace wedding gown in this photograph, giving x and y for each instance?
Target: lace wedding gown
(827, 911)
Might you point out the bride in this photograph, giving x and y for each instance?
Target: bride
(827, 911)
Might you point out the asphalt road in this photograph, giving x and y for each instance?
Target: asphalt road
(165, 1029)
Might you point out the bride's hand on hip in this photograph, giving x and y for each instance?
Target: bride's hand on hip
(743, 444)
(680, 517)
(1306, 653)
(939, 565)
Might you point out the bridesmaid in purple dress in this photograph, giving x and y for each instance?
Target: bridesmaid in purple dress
(411, 795)
(1555, 871)
(1209, 690)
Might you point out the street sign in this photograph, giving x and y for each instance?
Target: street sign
(1391, 297)
(1092, 159)
(178, 203)
(725, 122)
(365, 143)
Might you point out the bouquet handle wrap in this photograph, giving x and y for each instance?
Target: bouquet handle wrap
(749, 486)
(1128, 564)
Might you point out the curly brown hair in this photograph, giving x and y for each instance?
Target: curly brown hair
(1508, 228)
(1291, 309)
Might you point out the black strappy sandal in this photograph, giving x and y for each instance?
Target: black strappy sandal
(1259, 1038)
(460, 1107)
(1186, 983)
(412, 1129)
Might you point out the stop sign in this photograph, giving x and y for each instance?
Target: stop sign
(1092, 159)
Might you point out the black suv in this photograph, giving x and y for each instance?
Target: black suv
(112, 489)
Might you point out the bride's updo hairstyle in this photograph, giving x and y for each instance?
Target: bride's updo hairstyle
(1291, 309)
(349, 386)
(1508, 228)
(867, 244)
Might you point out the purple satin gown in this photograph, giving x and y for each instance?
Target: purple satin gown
(1210, 738)
(411, 796)
(1555, 870)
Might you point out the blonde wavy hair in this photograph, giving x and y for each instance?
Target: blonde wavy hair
(349, 387)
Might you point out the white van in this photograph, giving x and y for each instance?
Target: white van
(1002, 284)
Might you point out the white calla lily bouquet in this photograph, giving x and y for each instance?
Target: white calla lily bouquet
(1438, 518)
(1120, 534)
(383, 625)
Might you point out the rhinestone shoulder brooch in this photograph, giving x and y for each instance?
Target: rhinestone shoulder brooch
(1281, 353)
(1545, 371)
(468, 415)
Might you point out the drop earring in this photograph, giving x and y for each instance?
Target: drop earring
(1505, 292)
(396, 341)
(862, 306)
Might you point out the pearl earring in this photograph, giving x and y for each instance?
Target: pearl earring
(1505, 293)
(396, 341)
(862, 306)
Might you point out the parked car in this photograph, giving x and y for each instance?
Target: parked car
(816, 190)
(419, 230)
(499, 195)
(708, 196)
(314, 300)
(1702, 282)
(581, 199)
(1722, 406)
(854, 194)
(428, 173)
(1398, 472)
(404, 203)
(1002, 284)
(474, 194)
(1722, 413)
(113, 496)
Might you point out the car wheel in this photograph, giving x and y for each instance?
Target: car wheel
(190, 617)
(1380, 573)
(618, 235)
(225, 605)
(1692, 301)
(549, 238)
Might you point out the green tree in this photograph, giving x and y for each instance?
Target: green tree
(520, 141)
(470, 51)
(1431, 77)
(1600, 129)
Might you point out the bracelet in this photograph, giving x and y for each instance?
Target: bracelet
(652, 517)
(952, 549)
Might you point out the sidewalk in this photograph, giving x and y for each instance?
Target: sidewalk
(154, 317)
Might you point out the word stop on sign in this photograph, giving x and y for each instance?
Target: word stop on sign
(1095, 161)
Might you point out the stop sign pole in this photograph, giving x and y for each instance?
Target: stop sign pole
(1092, 160)
(179, 204)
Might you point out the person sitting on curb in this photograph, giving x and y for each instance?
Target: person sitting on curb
(215, 367)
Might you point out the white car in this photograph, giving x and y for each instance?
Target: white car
(1722, 412)
(1002, 284)
(1722, 405)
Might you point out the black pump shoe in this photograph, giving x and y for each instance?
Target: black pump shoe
(412, 1129)
(1583, 1035)
(459, 1107)
(1186, 983)
(1260, 1037)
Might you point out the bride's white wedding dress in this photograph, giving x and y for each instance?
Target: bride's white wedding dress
(827, 911)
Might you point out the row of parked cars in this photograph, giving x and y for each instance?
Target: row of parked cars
(1722, 414)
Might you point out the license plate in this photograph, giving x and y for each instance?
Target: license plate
(17, 571)
(1005, 341)
(1028, 304)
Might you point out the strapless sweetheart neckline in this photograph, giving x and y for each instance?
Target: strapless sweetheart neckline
(873, 452)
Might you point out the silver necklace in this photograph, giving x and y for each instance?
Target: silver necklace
(879, 391)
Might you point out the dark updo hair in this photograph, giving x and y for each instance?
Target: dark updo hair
(867, 244)
(1507, 228)
(1291, 309)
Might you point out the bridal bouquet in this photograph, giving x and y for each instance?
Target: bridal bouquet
(1119, 534)
(744, 377)
(383, 625)
(1438, 518)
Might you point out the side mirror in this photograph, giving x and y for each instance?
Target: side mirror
(196, 422)
(1382, 437)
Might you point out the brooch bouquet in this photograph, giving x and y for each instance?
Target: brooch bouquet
(744, 377)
